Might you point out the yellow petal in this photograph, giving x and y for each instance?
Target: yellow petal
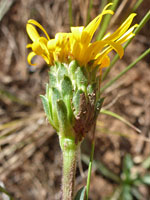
(30, 56)
(29, 46)
(89, 31)
(127, 35)
(32, 32)
(105, 62)
(77, 32)
(51, 45)
(47, 59)
(101, 56)
(76, 51)
(36, 47)
(117, 47)
(43, 40)
(32, 21)
(92, 50)
(122, 29)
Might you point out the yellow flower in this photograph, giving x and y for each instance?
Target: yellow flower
(77, 45)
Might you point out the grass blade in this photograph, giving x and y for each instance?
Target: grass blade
(89, 10)
(142, 23)
(110, 113)
(70, 13)
(90, 169)
(102, 169)
(137, 4)
(125, 70)
(106, 21)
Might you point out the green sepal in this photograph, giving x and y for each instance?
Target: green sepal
(64, 125)
(76, 101)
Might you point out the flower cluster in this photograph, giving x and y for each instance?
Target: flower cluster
(77, 45)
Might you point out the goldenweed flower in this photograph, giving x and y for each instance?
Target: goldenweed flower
(73, 93)
(72, 101)
(77, 45)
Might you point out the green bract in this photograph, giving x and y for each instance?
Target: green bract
(72, 101)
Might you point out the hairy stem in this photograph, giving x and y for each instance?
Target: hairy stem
(69, 151)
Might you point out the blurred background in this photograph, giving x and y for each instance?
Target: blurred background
(30, 157)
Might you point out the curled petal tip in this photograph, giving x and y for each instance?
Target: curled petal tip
(29, 58)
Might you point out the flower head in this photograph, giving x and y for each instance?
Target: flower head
(77, 45)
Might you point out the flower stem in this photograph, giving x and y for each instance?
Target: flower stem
(69, 151)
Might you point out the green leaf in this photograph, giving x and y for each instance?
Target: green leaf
(110, 113)
(128, 163)
(126, 193)
(80, 194)
(136, 193)
(146, 179)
